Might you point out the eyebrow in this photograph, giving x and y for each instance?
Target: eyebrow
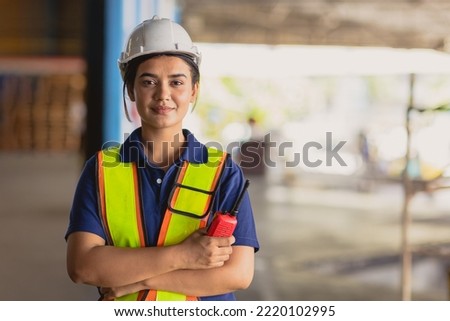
(147, 74)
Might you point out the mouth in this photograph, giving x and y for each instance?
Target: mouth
(162, 110)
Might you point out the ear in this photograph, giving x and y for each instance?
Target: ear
(194, 93)
(130, 92)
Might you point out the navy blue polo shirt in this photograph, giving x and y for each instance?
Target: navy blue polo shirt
(156, 185)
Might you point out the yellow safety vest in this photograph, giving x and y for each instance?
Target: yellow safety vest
(188, 208)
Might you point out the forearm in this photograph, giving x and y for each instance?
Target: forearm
(109, 266)
(196, 283)
(235, 274)
(90, 261)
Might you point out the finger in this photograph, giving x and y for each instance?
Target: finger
(108, 297)
(224, 251)
(105, 294)
(223, 258)
(219, 260)
(222, 254)
(215, 265)
(203, 230)
(103, 290)
(225, 241)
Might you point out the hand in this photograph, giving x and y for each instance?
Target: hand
(111, 293)
(106, 294)
(200, 251)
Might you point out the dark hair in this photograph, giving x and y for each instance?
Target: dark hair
(132, 67)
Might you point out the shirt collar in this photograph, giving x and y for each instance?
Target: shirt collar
(132, 149)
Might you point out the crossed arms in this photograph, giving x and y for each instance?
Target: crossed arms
(199, 266)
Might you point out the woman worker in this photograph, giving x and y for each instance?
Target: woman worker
(139, 218)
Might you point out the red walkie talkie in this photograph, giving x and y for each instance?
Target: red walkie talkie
(223, 224)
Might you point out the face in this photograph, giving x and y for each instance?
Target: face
(162, 91)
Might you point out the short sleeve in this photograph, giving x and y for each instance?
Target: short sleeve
(84, 215)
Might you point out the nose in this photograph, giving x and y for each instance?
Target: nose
(162, 92)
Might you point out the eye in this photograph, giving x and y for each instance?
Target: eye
(177, 83)
(148, 82)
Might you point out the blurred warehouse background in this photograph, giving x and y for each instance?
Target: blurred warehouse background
(370, 223)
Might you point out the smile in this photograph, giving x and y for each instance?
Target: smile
(162, 110)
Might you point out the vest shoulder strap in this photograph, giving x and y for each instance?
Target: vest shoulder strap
(191, 197)
(119, 200)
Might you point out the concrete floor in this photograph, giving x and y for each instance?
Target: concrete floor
(317, 242)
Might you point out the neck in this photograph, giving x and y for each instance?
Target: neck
(163, 147)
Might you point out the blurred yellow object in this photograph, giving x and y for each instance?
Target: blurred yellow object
(429, 172)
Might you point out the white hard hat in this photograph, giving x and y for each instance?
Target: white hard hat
(158, 35)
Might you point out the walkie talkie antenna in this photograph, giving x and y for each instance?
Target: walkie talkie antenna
(235, 210)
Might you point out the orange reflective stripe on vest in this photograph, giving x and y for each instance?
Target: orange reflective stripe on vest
(188, 208)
